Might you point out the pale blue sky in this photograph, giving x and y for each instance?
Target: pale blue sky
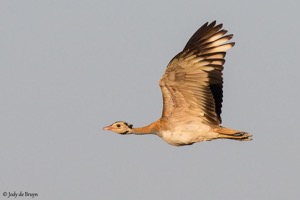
(68, 68)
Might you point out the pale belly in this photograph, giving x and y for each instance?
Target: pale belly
(188, 135)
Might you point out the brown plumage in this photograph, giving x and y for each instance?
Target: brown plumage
(192, 93)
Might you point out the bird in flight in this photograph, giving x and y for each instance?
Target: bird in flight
(192, 93)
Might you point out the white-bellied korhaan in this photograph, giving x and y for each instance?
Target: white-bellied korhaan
(192, 93)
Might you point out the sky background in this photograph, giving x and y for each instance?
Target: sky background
(68, 68)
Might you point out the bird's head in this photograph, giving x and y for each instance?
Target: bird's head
(119, 127)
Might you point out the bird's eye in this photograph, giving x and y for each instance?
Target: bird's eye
(118, 125)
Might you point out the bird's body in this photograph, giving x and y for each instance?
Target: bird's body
(188, 134)
(192, 93)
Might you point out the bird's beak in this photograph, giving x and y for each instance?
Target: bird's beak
(107, 128)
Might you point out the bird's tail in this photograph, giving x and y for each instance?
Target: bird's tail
(227, 133)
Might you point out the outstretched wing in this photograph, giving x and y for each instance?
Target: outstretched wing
(192, 83)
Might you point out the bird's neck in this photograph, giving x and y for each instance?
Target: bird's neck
(152, 128)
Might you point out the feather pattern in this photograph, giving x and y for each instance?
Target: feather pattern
(192, 82)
